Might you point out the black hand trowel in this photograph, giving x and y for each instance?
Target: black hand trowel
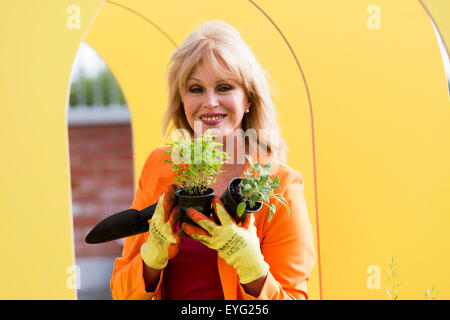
(120, 225)
(131, 222)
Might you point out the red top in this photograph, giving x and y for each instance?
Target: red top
(193, 273)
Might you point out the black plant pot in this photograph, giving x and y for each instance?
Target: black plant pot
(231, 199)
(202, 203)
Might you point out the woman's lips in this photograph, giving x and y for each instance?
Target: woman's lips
(212, 122)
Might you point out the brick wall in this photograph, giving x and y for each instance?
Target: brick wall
(101, 163)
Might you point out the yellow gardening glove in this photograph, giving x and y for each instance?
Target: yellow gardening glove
(163, 242)
(238, 246)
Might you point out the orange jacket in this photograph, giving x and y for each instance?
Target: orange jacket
(287, 242)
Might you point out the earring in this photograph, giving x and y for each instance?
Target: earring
(247, 111)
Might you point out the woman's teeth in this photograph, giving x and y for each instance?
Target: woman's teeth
(212, 118)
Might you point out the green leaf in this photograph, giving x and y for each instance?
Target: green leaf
(263, 180)
(387, 290)
(240, 208)
(273, 208)
(265, 197)
(276, 181)
(271, 211)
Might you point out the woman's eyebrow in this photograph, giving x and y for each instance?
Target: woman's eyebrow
(218, 81)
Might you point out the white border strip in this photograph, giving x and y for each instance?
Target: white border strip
(93, 115)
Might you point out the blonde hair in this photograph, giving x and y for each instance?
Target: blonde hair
(221, 45)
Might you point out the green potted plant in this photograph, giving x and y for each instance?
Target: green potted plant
(196, 163)
(248, 195)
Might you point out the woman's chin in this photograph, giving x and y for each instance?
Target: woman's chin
(221, 132)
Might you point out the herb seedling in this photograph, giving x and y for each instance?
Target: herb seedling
(256, 186)
(196, 162)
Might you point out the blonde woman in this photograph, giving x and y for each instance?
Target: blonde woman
(215, 83)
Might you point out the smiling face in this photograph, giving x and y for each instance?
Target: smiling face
(213, 101)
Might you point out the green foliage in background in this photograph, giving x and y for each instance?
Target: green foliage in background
(430, 294)
(393, 283)
(83, 88)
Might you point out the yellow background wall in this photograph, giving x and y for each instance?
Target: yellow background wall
(365, 113)
(36, 57)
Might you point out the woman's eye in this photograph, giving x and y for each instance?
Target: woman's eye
(195, 89)
(225, 88)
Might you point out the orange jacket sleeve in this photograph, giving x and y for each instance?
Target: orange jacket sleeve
(127, 280)
(287, 244)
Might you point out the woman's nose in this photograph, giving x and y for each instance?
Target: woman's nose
(211, 100)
